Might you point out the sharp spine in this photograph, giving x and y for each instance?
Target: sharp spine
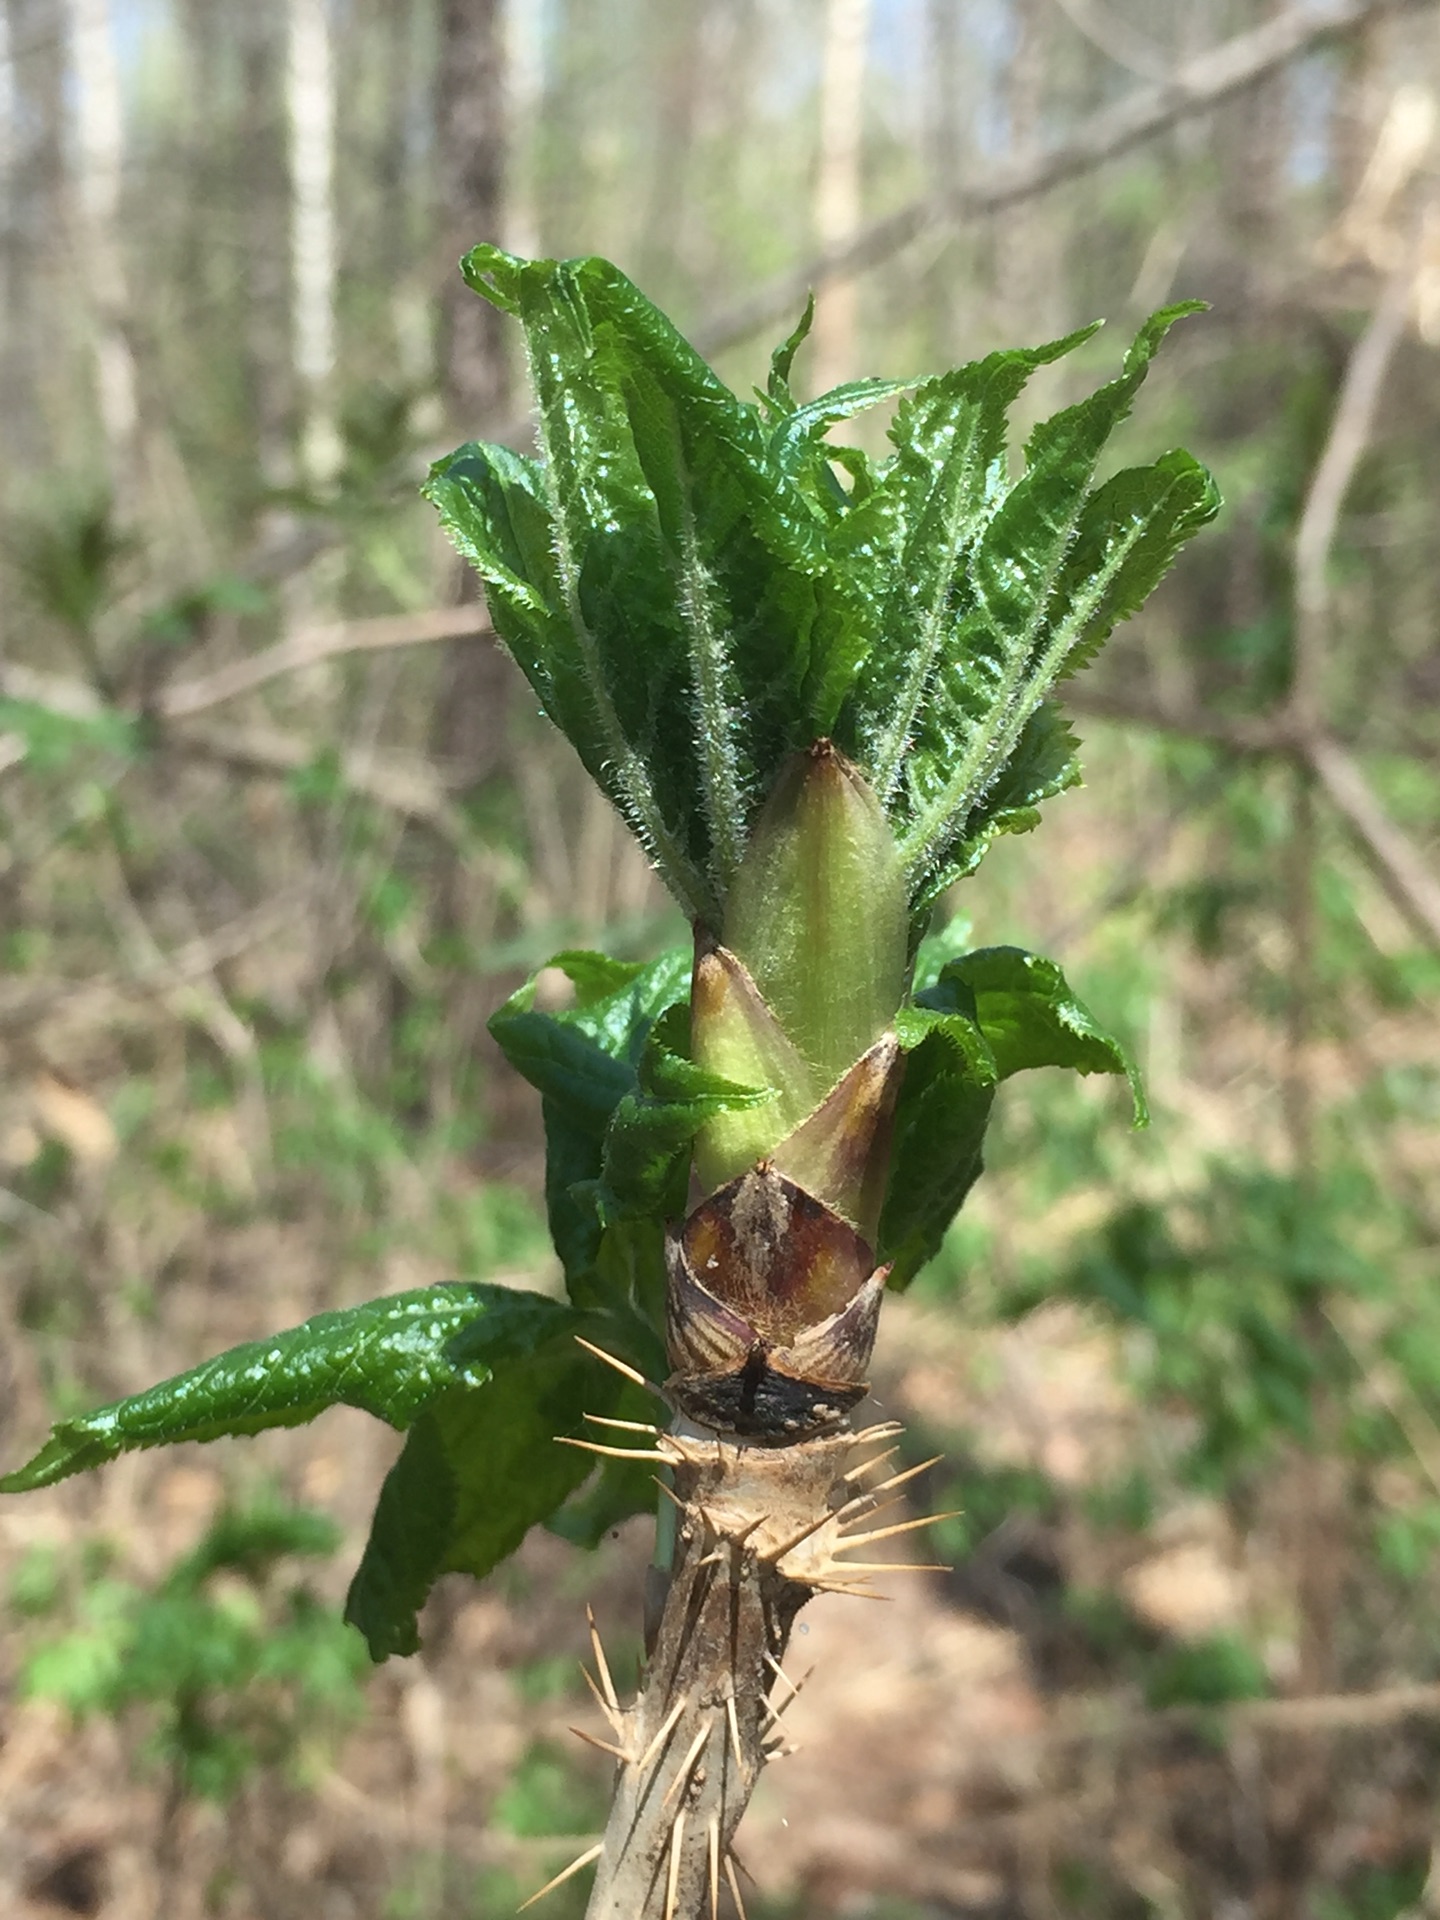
(590, 1853)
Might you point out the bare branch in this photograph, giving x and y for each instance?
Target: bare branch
(1344, 448)
(413, 789)
(313, 644)
(1401, 868)
(1194, 88)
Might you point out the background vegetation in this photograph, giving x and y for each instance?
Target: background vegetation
(279, 828)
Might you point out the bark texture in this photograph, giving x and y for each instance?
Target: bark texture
(760, 1528)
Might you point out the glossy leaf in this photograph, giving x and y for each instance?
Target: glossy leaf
(1030, 1017)
(622, 1105)
(478, 1470)
(390, 1357)
(647, 1147)
(985, 1016)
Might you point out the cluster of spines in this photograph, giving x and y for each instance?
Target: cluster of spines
(827, 1575)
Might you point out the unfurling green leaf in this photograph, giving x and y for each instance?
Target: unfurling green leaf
(698, 587)
(985, 1016)
(1030, 1018)
(622, 1102)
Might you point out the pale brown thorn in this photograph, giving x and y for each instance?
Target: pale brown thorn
(888, 1533)
(625, 1426)
(604, 1745)
(783, 1675)
(611, 1453)
(591, 1853)
(677, 1835)
(802, 1536)
(734, 1732)
(601, 1665)
(876, 1460)
(682, 1772)
(620, 1366)
(712, 1559)
(898, 1566)
(773, 1712)
(612, 1714)
(734, 1885)
(858, 1593)
(714, 1867)
(882, 1430)
(669, 1493)
(663, 1733)
(899, 1479)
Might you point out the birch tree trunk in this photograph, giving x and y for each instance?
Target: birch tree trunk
(837, 181)
(99, 161)
(310, 97)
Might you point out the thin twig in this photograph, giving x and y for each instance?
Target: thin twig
(1193, 88)
(313, 644)
(1344, 448)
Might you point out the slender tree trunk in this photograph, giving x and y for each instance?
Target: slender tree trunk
(470, 113)
(468, 728)
(99, 161)
(838, 181)
(310, 96)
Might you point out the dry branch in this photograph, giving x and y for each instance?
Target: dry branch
(313, 644)
(1193, 88)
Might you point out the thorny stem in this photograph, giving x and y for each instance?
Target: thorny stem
(760, 1528)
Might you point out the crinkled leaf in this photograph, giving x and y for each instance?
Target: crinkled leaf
(479, 1468)
(647, 1144)
(977, 1020)
(1031, 1018)
(686, 563)
(1045, 762)
(390, 1357)
(1129, 533)
(910, 545)
(1025, 609)
(778, 396)
(584, 1059)
(694, 590)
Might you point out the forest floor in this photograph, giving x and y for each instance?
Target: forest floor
(941, 1762)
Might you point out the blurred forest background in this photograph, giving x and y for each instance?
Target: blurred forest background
(279, 827)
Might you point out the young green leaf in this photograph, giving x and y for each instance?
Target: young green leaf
(910, 544)
(683, 577)
(647, 1145)
(1026, 610)
(986, 1015)
(1030, 1017)
(585, 1059)
(389, 1357)
(479, 1468)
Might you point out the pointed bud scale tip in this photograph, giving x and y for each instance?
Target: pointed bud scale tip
(818, 914)
(840, 1153)
(735, 1035)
